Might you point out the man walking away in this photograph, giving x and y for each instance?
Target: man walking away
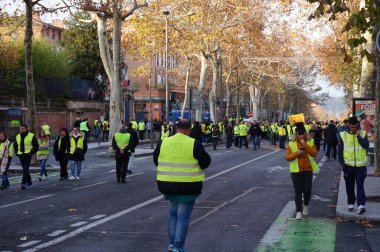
(229, 135)
(215, 136)
(243, 135)
(196, 132)
(331, 140)
(255, 133)
(141, 130)
(352, 155)
(180, 161)
(26, 145)
(135, 142)
(121, 143)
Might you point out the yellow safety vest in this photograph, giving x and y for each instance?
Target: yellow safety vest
(353, 153)
(134, 125)
(11, 150)
(203, 126)
(281, 131)
(27, 143)
(176, 162)
(307, 128)
(290, 130)
(236, 130)
(122, 140)
(141, 126)
(83, 126)
(42, 152)
(15, 123)
(74, 145)
(242, 130)
(294, 164)
(164, 134)
(59, 145)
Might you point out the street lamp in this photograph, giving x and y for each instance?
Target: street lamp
(166, 12)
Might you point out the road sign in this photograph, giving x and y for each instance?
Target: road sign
(250, 114)
(378, 41)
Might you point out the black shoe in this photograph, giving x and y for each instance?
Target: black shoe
(118, 180)
(2, 187)
(23, 187)
(123, 181)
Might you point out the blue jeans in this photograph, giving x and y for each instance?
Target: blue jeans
(241, 140)
(78, 165)
(43, 167)
(282, 142)
(178, 222)
(4, 178)
(329, 146)
(255, 142)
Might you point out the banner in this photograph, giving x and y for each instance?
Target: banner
(365, 111)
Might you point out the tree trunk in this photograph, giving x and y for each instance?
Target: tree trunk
(202, 81)
(281, 104)
(377, 125)
(238, 105)
(212, 95)
(115, 97)
(30, 88)
(254, 98)
(186, 88)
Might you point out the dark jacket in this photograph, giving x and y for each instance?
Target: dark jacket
(229, 130)
(196, 133)
(126, 149)
(135, 138)
(61, 154)
(255, 130)
(35, 145)
(330, 134)
(188, 188)
(78, 156)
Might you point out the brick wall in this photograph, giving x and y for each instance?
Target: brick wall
(56, 121)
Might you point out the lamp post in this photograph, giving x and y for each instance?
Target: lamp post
(166, 12)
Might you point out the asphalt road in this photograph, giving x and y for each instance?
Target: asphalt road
(243, 202)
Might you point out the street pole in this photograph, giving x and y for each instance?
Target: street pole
(166, 13)
(150, 113)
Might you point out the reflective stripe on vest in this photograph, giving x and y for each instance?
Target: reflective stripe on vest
(83, 126)
(122, 139)
(176, 162)
(42, 152)
(27, 143)
(243, 130)
(74, 144)
(353, 153)
(293, 167)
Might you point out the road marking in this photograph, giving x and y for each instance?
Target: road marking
(89, 185)
(96, 217)
(216, 154)
(222, 205)
(136, 174)
(78, 224)
(27, 244)
(24, 201)
(128, 210)
(114, 170)
(56, 233)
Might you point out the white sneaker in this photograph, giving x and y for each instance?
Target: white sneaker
(305, 210)
(351, 208)
(72, 178)
(77, 177)
(44, 178)
(298, 216)
(361, 209)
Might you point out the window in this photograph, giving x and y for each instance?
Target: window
(159, 79)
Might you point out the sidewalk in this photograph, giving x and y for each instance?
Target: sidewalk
(372, 190)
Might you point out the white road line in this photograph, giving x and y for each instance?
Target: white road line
(128, 210)
(216, 154)
(222, 205)
(89, 185)
(56, 233)
(136, 174)
(96, 217)
(27, 244)
(24, 201)
(114, 170)
(274, 233)
(81, 223)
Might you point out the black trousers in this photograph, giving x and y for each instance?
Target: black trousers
(25, 163)
(63, 167)
(122, 166)
(215, 142)
(302, 183)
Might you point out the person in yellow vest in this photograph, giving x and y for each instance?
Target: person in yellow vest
(352, 156)
(122, 143)
(274, 130)
(236, 132)
(26, 145)
(42, 153)
(203, 126)
(15, 123)
(78, 148)
(221, 130)
(165, 132)
(106, 130)
(141, 127)
(180, 162)
(85, 128)
(301, 153)
(243, 129)
(6, 155)
(308, 127)
(61, 152)
(282, 135)
(134, 125)
(290, 130)
(46, 128)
